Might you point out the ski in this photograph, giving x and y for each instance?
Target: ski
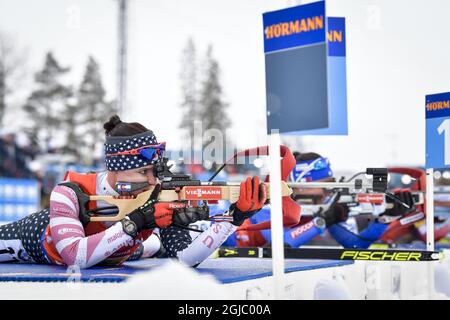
(332, 254)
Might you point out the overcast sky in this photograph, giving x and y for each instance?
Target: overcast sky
(397, 52)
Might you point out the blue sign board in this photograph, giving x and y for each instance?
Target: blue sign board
(306, 81)
(437, 114)
(295, 47)
(18, 198)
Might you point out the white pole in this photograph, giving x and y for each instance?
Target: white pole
(122, 58)
(276, 215)
(430, 228)
(430, 210)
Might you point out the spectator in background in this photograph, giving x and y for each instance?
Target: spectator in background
(13, 159)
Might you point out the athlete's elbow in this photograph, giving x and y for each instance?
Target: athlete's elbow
(71, 261)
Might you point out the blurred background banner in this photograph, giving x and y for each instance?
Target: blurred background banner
(296, 68)
(18, 198)
(437, 113)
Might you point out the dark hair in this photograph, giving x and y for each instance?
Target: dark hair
(117, 128)
(307, 156)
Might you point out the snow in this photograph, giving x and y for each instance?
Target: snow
(167, 282)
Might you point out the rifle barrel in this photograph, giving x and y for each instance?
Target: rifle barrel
(305, 185)
(331, 185)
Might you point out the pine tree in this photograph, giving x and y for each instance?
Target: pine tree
(73, 138)
(46, 106)
(12, 62)
(189, 89)
(92, 110)
(212, 106)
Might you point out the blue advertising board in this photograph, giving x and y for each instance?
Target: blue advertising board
(437, 115)
(18, 198)
(306, 81)
(295, 48)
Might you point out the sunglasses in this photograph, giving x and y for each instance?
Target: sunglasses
(317, 164)
(150, 152)
(303, 169)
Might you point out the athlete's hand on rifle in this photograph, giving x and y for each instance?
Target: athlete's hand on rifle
(398, 209)
(189, 215)
(154, 214)
(336, 212)
(252, 197)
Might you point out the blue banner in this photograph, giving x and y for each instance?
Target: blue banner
(437, 115)
(18, 198)
(294, 27)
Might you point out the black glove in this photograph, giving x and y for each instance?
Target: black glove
(399, 209)
(189, 215)
(240, 216)
(336, 212)
(143, 216)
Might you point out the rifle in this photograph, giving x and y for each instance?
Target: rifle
(182, 188)
(358, 203)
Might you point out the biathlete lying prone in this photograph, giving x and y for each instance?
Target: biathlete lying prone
(350, 231)
(58, 236)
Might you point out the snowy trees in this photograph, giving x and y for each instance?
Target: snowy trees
(189, 89)
(11, 70)
(92, 110)
(212, 109)
(47, 104)
(68, 119)
(202, 94)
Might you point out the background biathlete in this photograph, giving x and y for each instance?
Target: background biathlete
(350, 232)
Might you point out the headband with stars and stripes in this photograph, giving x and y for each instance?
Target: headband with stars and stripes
(132, 152)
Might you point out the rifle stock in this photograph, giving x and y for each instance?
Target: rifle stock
(207, 192)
